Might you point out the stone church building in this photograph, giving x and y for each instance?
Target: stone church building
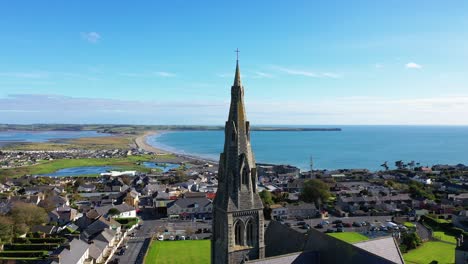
(239, 232)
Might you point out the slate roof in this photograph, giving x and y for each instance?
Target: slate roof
(385, 247)
(316, 247)
(77, 249)
(191, 202)
(121, 207)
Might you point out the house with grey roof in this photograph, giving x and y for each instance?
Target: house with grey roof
(125, 210)
(190, 208)
(77, 253)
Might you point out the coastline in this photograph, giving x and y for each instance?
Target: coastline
(141, 142)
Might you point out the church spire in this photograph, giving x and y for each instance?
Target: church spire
(237, 78)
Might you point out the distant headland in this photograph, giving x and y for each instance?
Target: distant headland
(137, 129)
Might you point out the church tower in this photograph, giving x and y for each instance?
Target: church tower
(238, 210)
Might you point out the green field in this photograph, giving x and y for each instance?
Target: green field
(409, 225)
(128, 163)
(430, 251)
(350, 237)
(444, 237)
(175, 252)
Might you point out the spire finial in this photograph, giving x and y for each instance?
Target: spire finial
(237, 77)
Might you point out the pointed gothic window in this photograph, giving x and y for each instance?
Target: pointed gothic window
(245, 176)
(239, 233)
(250, 233)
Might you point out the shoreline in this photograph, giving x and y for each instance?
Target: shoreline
(141, 142)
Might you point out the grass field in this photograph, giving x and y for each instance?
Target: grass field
(350, 237)
(175, 252)
(444, 237)
(409, 225)
(430, 251)
(114, 142)
(128, 163)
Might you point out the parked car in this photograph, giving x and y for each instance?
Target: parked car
(287, 224)
(339, 229)
(301, 223)
(324, 223)
(330, 231)
(306, 226)
(337, 221)
(319, 226)
(171, 238)
(357, 224)
(346, 224)
(160, 237)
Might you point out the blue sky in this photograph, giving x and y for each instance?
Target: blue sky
(172, 62)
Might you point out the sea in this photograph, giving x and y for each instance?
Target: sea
(354, 147)
(7, 137)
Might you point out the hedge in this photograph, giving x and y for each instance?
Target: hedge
(31, 246)
(24, 254)
(432, 224)
(50, 240)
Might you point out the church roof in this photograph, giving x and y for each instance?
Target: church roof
(385, 247)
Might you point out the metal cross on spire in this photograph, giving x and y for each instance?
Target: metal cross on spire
(237, 51)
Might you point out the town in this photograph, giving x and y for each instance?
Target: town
(114, 217)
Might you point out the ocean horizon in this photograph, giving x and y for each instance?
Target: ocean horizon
(354, 147)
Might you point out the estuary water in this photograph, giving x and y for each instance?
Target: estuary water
(43, 136)
(353, 147)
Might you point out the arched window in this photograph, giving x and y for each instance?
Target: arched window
(245, 176)
(239, 233)
(250, 233)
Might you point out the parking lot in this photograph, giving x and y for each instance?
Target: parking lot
(366, 224)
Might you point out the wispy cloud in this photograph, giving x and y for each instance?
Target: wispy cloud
(149, 74)
(91, 37)
(413, 65)
(165, 74)
(260, 75)
(307, 73)
(378, 66)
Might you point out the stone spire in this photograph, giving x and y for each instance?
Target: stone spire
(237, 77)
(238, 210)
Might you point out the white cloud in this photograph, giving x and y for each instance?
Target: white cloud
(307, 73)
(91, 37)
(412, 65)
(165, 74)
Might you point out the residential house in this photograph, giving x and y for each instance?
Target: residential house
(132, 198)
(190, 208)
(77, 253)
(304, 210)
(87, 188)
(63, 215)
(279, 211)
(124, 209)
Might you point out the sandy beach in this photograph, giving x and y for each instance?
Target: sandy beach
(140, 141)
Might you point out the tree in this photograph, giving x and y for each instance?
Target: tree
(6, 229)
(411, 241)
(315, 191)
(26, 215)
(266, 198)
(113, 211)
